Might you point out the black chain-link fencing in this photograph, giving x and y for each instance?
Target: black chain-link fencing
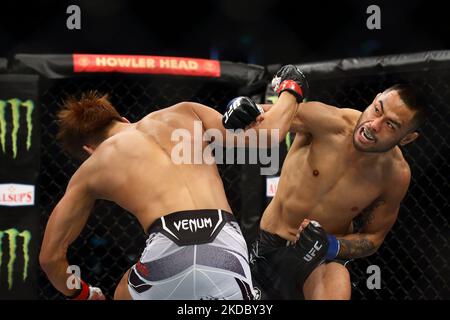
(113, 240)
(415, 258)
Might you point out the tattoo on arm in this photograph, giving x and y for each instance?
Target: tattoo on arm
(366, 216)
(360, 245)
(356, 248)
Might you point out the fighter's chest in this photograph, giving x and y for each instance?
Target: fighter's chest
(327, 178)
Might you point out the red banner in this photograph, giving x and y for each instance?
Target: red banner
(145, 64)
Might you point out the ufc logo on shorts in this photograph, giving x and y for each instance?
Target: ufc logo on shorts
(312, 253)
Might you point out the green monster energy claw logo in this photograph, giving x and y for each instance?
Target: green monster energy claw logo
(15, 105)
(12, 235)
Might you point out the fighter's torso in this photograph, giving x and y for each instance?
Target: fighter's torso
(320, 181)
(136, 171)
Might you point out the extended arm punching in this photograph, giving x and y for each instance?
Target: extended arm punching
(242, 113)
(250, 116)
(291, 86)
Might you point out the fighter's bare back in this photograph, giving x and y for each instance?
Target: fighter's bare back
(134, 169)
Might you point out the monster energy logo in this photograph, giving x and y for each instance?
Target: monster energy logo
(15, 105)
(12, 235)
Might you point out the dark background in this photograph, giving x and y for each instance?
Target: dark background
(251, 31)
(261, 32)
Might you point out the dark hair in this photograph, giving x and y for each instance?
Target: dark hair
(85, 121)
(415, 100)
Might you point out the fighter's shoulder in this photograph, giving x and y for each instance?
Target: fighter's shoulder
(398, 172)
(121, 142)
(109, 151)
(82, 176)
(318, 105)
(99, 169)
(184, 108)
(344, 118)
(401, 165)
(350, 116)
(326, 111)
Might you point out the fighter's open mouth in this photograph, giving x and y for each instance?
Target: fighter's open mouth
(366, 134)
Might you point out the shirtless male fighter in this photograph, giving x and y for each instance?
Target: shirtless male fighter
(342, 163)
(195, 249)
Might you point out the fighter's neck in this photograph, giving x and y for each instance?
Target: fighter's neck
(367, 157)
(117, 127)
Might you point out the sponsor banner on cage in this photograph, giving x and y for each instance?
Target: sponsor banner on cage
(19, 128)
(19, 169)
(16, 195)
(146, 64)
(18, 247)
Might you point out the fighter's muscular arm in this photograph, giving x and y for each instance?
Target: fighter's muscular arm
(378, 218)
(63, 227)
(316, 117)
(279, 116)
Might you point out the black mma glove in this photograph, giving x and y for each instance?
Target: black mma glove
(290, 78)
(240, 113)
(313, 243)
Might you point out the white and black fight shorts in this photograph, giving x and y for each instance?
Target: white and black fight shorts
(197, 254)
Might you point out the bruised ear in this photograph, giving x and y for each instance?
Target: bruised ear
(410, 137)
(89, 149)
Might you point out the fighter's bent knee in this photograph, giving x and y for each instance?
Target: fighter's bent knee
(338, 278)
(329, 281)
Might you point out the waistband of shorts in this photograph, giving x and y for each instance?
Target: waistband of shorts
(272, 240)
(158, 224)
